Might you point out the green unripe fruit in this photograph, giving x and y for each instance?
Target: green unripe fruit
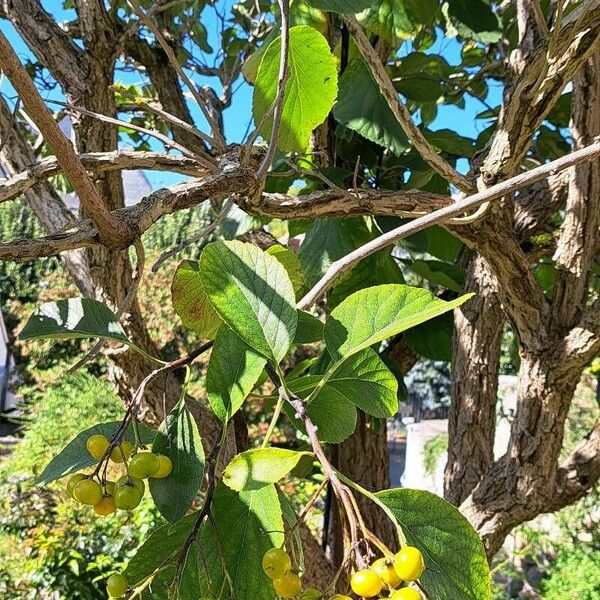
(165, 468)
(105, 507)
(116, 586)
(97, 445)
(73, 481)
(276, 563)
(127, 480)
(123, 450)
(144, 464)
(128, 497)
(409, 563)
(87, 491)
(287, 586)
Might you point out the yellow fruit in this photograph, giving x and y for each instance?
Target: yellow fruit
(288, 586)
(276, 563)
(165, 468)
(386, 572)
(123, 449)
(128, 497)
(366, 583)
(87, 491)
(97, 445)
(126, 480)
(109, 488)
(406, 594)
(106, 506)
(144, 464)
(116, 586)
(73, 481)
(409, 563)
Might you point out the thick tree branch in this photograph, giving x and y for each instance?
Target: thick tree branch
(403, 116)
(100, 162)
(111, 230)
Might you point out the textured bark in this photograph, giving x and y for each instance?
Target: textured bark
(475, 360)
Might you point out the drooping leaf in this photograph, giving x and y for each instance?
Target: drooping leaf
(178, 438)
(419, 76)
(309, 92)
(371, 315)
(451, 143)
(75, 457)
(74, 318)
(363, 109)
(441, 273)
(190, 301)
(253, 294)
(457, 568)
(341, 6)
(254, 469)
(309, 330)
(291, 264)
(233, 370)
(474, 19)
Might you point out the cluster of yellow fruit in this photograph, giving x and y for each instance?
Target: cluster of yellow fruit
(383, 575)
(126, 492)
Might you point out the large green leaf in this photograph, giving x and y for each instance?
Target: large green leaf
(457, 568)
(310, 90)
(432, 339)
(75, 457)
(254, 469)
(291, 264)
(419, 76)
(233, 370)
(371, 315)
(74, 318)
(341, 6)
(190, 301)
(441, 273)
(178, 438)
(362, 108)
(253, 294)
(474, 19)
(399, 19)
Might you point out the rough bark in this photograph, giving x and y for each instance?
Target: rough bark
(475, 361)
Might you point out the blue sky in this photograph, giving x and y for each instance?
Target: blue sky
(237, 118)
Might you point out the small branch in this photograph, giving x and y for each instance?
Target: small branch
(100, 162)
(284, 6)
(442, 215)
(403, 116)
(111, 229)
(219, 140)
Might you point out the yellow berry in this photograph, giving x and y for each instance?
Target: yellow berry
(287, 586)
(73, 481)
(409, 563)
(406, 593)
(165, 468)
(128, 497)
(106, 506)
(276, 563)
(123, 449)
(366, 583)
(87, 491)
(97, 445)
(127, 480)
(116, 586)
(144, 464)
(109, 488)
(386, 572)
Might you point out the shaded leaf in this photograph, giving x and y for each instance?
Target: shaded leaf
(341, 6)
(309, 330)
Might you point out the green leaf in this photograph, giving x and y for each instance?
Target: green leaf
(74, 318)
(310, 90)
(190, 301)
(474, 19)
(233, 370)
(363, 109)
(253, 294)
(457, 567)
(432, 339)
(341, 6)
(371, 315)
(419, 76)
(451, 143)
(74, 456)
(178, 438)
(291, 264)
(254, 469)
(441, 273)
(309, 330)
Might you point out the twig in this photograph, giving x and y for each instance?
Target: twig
(442, 215)
(110, 228)
(195, 239)
(218, 140)
(403, 116)
(284, 6)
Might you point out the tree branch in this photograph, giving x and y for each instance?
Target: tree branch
(403, 116)
(110, 228)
